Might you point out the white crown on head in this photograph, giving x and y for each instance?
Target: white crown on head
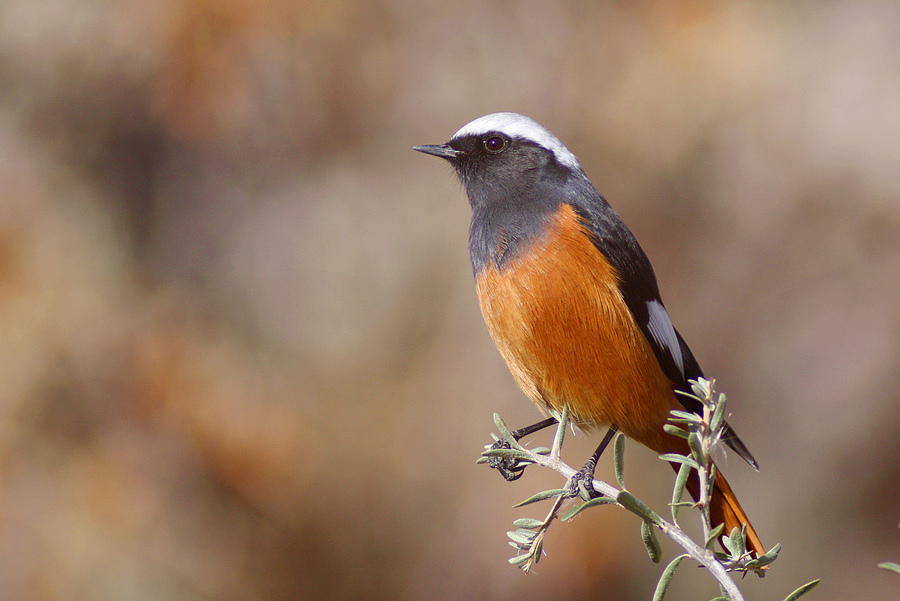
(515, 125)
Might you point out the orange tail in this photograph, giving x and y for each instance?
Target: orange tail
(725, 509)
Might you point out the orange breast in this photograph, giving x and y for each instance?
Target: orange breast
(556, 315)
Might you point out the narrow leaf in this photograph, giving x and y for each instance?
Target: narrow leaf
(508, 454)
(560, 430)
(715, 424)
(714, 536)
(636, 506)
(538, 546)
(685, 415)
(522, 537)
(543, 496)
(675, 430)
(889, 565)
(619, 458)
(688, 394)
(766, 559)
(802, 591)
(587, 505)
(734, 542)
(738, 540)
(654, 550)
(678, 492)
(504, 431)
(676, 458)
(518, 559)
(701, 387)
(529, 523)
(663, 585)
(697, 448)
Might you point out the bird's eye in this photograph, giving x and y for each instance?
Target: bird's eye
(495, 144)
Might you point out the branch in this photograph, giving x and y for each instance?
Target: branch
(702, 432)
(693, 550)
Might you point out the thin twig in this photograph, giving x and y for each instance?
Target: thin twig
(700, 554)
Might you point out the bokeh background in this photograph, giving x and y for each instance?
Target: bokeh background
(240, 352)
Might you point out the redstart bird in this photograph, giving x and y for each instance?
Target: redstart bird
(571, 300)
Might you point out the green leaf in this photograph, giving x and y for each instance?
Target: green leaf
(697, 448)
(688, 394)
(560, 429)
(529, 523)
(482, 460)
(666, 578)
(540, 451)
(678, 492)
(802, 591)
(508, 454)
(684, 416)
(889, 565)
(715, 424)
(734, 542)
(504, 431)
(619, 458)
(676, 458)
(538, 546)
(766, 559)
(654, 550)
(522, 537)
(587, 505)
(714, 536)
(543, 496)
(739, 540)
(636, 506)
(675, 430)
(702, 388)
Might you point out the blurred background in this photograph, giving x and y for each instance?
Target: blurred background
(240, 351)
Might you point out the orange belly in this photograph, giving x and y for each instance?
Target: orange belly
(556, 315)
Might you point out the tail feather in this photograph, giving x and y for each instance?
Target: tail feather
(724, 508)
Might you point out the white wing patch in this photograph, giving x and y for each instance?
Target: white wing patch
(663, 332)
(515, 125)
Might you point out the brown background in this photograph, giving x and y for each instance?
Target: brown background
(240, 352)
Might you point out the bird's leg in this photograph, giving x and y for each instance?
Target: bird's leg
(586, 475)
(510, 468)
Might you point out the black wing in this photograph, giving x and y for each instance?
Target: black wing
(641, 294)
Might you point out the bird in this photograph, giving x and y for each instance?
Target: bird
(571, 300)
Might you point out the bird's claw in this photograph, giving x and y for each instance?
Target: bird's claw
(509, 468)
(581, 484)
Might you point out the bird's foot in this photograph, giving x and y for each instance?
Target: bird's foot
(582, 483)
(511, 469)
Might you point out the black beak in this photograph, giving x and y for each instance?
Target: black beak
(439, 150)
